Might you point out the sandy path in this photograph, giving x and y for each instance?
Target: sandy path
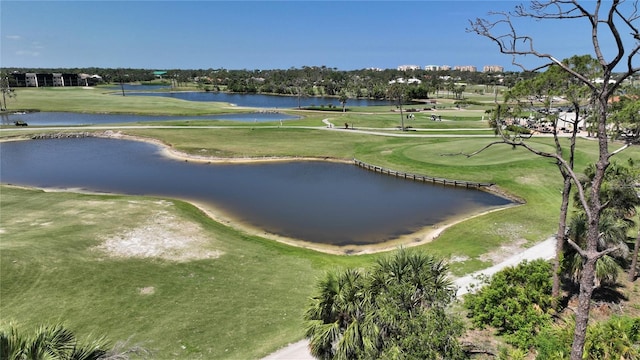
(543, 250)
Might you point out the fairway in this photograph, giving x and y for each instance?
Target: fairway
(166, 275)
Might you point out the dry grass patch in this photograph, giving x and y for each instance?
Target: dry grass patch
(117, 227)
(514, 244)
(162, 235)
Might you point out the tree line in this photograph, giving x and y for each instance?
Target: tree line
(305, 81)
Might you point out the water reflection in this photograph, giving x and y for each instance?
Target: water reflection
(263, 100)
(319, 202)
(66, 118)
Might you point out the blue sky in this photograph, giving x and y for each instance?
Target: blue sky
(261, 34)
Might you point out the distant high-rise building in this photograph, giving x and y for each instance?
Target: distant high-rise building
(408, 67)
(493, 68)
(432, 67)
(469, 68)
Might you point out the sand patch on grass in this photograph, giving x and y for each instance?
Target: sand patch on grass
(161, 236)
(148, 290)
(504, 251)
(515, 243)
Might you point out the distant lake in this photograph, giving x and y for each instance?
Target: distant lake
(66, 118)
(140, 87)
(261, 100)
(320, 202)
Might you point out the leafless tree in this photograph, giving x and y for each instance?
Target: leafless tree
(615, 21)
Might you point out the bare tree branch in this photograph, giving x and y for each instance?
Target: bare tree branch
(606, 21)
(604, 252)
(577, 248)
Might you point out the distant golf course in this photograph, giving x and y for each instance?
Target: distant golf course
(164, 274)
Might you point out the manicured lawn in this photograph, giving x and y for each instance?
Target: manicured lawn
(101, 100)
(242, 303)
(244, 296)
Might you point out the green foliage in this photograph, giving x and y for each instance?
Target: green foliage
(512, 354)
(517, 129)
(468, 102)
(613, 339)
(517, 301)
(53, 342)
(616, 338)
(619, 195)
(394, 311)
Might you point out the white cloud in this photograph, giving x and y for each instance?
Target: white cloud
(28, 53)
(13, 37)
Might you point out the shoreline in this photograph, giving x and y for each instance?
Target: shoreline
(420, 237)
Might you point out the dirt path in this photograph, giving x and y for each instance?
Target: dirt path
(543, 250)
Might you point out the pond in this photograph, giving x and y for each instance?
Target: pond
(67, 118)
(262, 100)
(318, 202)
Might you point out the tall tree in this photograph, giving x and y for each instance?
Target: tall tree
(343, 100)
(635, 172)
(542, 90)
(615, 21)
(397, 92)
(6, 90)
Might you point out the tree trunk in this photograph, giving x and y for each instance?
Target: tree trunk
(590, 252)
(401, 116)
(584, 305)
(634, 258)
(560, 236)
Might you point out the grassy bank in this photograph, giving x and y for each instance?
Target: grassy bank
(102, 100)
(227, 294)
(241, 302)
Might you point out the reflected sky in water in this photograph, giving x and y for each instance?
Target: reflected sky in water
(320, 202)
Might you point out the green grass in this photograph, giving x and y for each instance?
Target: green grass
(241, 305)
(100, 100)
(250, 300)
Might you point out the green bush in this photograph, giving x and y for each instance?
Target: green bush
(615, 338)
(516, 301)
(518, 129)
(396, 310)
(467, 102)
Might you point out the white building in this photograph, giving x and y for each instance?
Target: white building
(469, 68)
(493, 68)
(405, 81)
(408, 67)
(31, 79)
(57, 79)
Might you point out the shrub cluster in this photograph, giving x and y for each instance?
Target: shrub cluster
(516, 301)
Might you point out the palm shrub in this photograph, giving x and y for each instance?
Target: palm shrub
(397, 309)
(613, 230)
(516, 301)
(619, 198)
(48, 342)
(616, 338)
(56, 342)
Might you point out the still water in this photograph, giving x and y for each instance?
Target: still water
(320, 202)
(67, 118)
(262, 100)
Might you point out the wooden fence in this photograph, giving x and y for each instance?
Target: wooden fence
(448, 182)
